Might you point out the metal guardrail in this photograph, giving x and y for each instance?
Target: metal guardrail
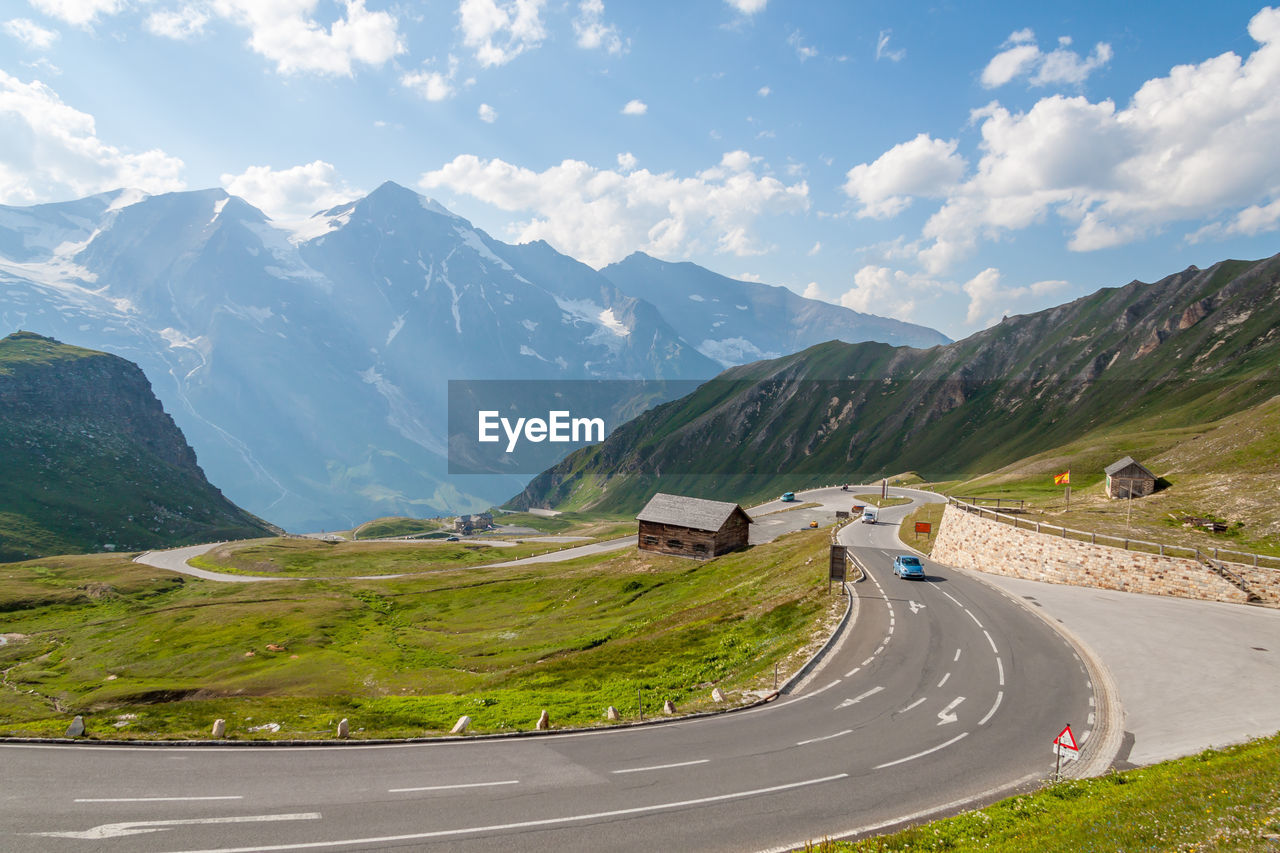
(1257, 561)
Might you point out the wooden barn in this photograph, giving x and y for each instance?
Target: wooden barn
(692, 527)
(1127, 478)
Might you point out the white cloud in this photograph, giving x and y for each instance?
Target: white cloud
(635, 107)
(889, 292)
(601, 215)
(591, 30)
(817, 247)
(627, 161)
(78, 13)
(498, 33)
(803, 51)
(764, 91)
(435, 85)
(1060, 66)
(883, 51)
(749, 276)
(30, 33)
(49, 150)
(291, 195)
(747, 7)
(986, 293)
(182, 24)
(812, 291)
(285, 32)
(1196, 144)
(921, 167)
(487, 114)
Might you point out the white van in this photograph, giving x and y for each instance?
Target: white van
(868, 516)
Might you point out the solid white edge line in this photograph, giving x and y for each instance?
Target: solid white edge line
(663, 766)
(452, 787)
(999, 698)
(955, 739)
(152, 799)
(824, 737)
(524, 824)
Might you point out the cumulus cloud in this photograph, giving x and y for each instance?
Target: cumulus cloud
(487, 114)
(747, 7)
(921, 167)
(291, 195)
(812, 291)
(627, 161)
(602, 215)
(499, 32)
(1195, 145)
(889, 292)
(180, 25)
(883, 51)
(434, 85)
(635, 107)
(593, 32)
(285, 32)
(1022, 57)
(80, 13)
(52, 150)
(764, 91)
(989, 299)
(30, 33)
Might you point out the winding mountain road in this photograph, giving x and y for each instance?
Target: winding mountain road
(937, 694)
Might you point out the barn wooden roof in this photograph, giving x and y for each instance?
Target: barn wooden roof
(694, 513)
(1119, 465)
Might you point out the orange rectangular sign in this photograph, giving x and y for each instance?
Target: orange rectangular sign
(923, 527)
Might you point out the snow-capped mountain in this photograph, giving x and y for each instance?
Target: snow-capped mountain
(309, 367)
(735, 322)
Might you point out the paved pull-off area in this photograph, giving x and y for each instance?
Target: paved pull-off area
(1189, 674)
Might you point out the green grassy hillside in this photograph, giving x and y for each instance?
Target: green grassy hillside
(163, 656)
(1176, 355)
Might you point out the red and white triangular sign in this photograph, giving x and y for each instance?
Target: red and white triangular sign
(1066, 739)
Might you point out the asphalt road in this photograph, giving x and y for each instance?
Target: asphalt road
(941, 692)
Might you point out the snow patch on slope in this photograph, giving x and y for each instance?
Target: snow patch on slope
(733, 351)
(400, 413)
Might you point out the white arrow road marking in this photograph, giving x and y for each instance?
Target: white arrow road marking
(915, 606)
(846, 703)
(947, 714)
(138, 827)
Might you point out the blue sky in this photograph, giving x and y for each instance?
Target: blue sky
(932, 162)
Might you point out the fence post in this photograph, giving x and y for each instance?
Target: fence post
(1093, 538)
(1161, 549)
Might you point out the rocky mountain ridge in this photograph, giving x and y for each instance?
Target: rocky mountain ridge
(1195, 346)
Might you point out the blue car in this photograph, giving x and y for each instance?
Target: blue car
(907, 566)
(788, 497)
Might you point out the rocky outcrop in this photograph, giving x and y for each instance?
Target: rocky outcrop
(90, 461)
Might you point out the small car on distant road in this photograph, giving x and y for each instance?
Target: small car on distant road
(868, 516)
(788, 497)
(907, 566)
(813, 524)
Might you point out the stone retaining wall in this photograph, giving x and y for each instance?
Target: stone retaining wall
(983, 544)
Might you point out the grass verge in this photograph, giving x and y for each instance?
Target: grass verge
(931, 513)
(1219, 800)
